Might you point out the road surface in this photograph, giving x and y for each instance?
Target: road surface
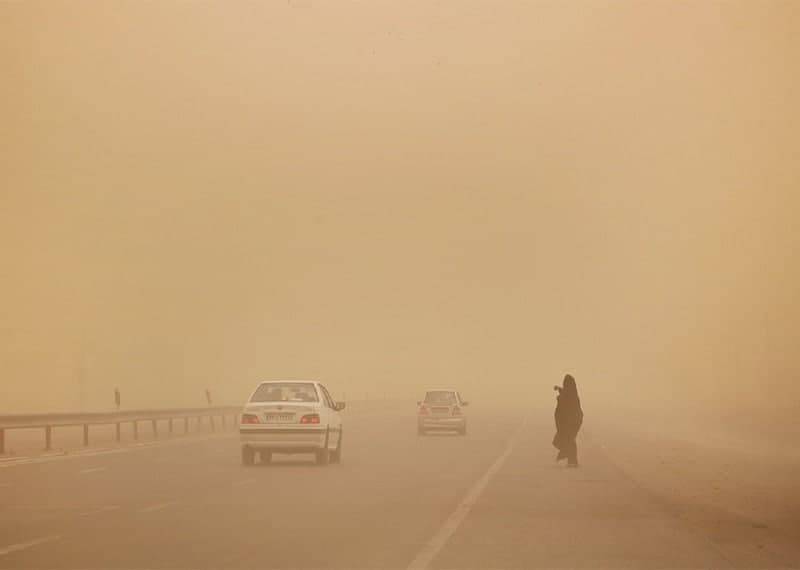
(492, 499)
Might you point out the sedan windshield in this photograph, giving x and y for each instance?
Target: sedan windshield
(286, 392)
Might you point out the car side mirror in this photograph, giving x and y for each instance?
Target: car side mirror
(339, 406)
(419, 402)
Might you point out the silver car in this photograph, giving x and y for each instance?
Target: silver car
(441, 410)
(291, 417)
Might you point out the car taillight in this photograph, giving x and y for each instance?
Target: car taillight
(310, 419)
(456, 411)
(423, 410)
(250, 419)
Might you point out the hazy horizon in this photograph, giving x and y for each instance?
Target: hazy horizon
(391, 196)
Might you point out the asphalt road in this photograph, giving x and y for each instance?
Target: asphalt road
(492, 499)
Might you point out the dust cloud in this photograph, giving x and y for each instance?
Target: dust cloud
(390, 196)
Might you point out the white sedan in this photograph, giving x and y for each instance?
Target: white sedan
(291, 417)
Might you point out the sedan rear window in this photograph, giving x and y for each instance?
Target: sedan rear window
(286, 392)
(440, 397)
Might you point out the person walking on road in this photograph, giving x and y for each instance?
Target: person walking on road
(569, 418)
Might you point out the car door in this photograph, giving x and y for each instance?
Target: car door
(334, 418)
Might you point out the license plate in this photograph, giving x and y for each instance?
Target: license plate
(276, 418)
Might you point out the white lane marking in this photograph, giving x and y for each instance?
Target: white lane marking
(49, 458)
(243, 482)
(24, 545)
(92, 470)
(435, 544)
(99, 510)
(18, 458)
(157, 507)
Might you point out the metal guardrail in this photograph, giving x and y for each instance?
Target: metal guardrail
(50, 421)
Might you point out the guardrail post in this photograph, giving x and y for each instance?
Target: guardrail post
(218, 418)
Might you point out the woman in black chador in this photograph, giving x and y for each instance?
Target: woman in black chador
(569, 418)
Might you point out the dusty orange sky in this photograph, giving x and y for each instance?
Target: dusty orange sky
(393, 195)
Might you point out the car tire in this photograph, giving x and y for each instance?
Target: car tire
(336, 456)
(323, 456)
(265, 456)
(323, 453)
(248, 456)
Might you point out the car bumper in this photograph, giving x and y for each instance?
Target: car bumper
(290, 439)
(442, 423)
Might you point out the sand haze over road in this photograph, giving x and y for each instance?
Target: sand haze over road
(387, 197)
